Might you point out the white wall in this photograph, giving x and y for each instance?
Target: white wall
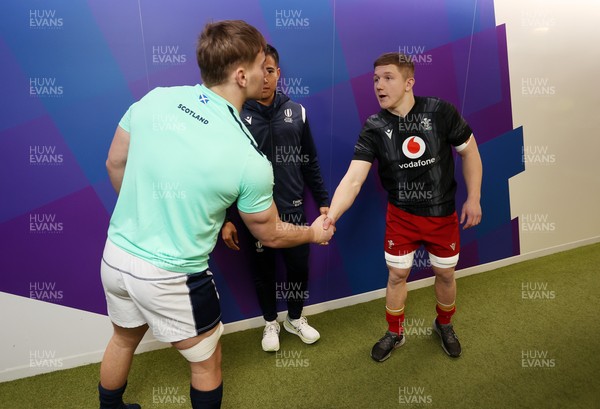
(554, 61)
(40, 337)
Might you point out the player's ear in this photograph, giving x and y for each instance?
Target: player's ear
(410, 83)
(240, 77)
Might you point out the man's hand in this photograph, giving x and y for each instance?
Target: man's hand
(320, 235)
(328, 222)
(323, 210)
(471, 213)
(230, 236)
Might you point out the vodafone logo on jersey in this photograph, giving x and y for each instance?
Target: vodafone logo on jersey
(413, 147)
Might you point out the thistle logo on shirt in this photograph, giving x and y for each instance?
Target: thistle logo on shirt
(413, 147)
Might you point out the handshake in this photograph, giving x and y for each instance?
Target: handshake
(322, 230)
(271, 231)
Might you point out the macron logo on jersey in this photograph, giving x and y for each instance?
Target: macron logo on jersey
(249, 120)
(389, 132)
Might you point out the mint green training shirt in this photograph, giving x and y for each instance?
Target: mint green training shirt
(189, 159)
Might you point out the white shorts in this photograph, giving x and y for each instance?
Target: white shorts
(175, 306)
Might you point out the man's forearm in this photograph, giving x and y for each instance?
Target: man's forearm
(472, 173)
(343, 198)
(267, 227)
(288, 235)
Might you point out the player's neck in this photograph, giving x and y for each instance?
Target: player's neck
(231, 94)
(404, 106)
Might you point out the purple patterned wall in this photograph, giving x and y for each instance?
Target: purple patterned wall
(71, 69)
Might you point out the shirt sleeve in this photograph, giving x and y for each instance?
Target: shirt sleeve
(458, 129)
(152, 95)
(365, 147)
(125, 120)
(256, 188)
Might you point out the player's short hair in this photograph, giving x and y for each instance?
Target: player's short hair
(272, 51)
(224, 45)
(404, 63)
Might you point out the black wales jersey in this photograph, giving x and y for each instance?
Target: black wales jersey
(416, 166)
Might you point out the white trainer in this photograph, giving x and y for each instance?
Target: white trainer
(270, 340)
(300, 327)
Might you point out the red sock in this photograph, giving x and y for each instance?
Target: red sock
(394, 322)
(444, 316)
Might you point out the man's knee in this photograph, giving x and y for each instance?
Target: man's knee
(128, 337)
(397, 276)
(205, 348)
(443, 267)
